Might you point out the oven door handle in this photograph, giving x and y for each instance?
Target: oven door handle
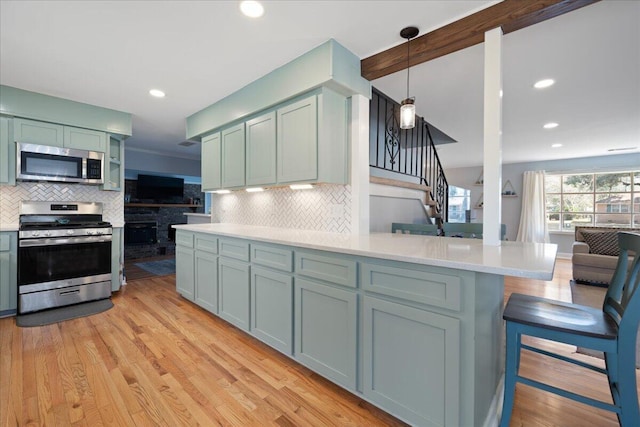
(63, 241)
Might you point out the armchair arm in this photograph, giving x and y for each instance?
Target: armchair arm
(580, 248)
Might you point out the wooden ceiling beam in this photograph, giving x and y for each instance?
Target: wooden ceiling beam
(511, 15)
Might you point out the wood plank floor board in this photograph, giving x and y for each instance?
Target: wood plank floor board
(157, 359)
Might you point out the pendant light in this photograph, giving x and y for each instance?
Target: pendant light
(407, 107)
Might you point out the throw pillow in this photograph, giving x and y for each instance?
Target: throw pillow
(602, 242)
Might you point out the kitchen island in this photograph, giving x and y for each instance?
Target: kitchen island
(410, 323)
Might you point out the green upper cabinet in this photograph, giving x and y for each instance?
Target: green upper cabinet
(261, 150)
(233, 156)
(7, 153)
(114, 163)
(85, 139)
(298, 141)
(32, 132)
(211, 173)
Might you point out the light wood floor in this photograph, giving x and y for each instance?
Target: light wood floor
(156, 359)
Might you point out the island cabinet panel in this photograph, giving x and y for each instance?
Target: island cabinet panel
(85, 139)
(206, 271)
(211, 162)
(298, 141)
(272, 308)
(270, 256)
(334, 269)
(185, 272)
(233, 248)
(414, 283)
(7, 152)
(117, 241)
(411, 362)
(261, 150)
(325, 330)
(232, 155)
(206, 280)
(33, 132)
(8, 273)
(233, 292)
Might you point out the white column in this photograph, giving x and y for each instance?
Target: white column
(492, 208)
(359, 164)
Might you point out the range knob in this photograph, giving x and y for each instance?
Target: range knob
(47, 233)
(90, 232)
(35, 233)
(70, 232)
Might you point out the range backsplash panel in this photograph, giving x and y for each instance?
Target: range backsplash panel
(324, 208)
(10, 197)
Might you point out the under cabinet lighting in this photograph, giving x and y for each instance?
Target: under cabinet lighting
(541, 84)
(254, 190)
(556, 145)
(157, 93)
(222, 191)
(301, 186)
(252, 9)
(550, 125)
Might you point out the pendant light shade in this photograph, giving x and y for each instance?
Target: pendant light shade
(408, 108)
(407, 114)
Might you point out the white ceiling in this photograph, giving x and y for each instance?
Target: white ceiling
(110, 53)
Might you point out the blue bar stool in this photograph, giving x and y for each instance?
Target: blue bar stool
(612, 330)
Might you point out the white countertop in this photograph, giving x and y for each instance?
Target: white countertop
(197, 214)
(530, 260)
(8, 227)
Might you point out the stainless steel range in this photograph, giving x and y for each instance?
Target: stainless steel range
(64, 255)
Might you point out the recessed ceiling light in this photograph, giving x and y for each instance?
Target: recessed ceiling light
(252, 9)
(556, 145)
(254, 189)
(550, 125)
(541, 84)
(157, 93)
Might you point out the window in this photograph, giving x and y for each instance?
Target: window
(459, 204)
(601, 199)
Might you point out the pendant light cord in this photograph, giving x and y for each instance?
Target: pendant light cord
(408, 51)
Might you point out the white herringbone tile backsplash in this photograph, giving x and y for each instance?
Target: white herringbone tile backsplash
(10, 197)
(324, 208)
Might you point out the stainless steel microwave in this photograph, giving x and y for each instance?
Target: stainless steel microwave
(45, 163)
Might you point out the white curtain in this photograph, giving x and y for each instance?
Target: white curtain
(533, 223)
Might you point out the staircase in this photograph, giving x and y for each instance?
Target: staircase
(405, 156)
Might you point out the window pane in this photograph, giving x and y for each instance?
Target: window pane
(609, 182)
(636, 221)
(553, 221)
(570, 221)
(552, 183)
(577, 203)
(553, 203)
(613, 220)
(577, 183)
(613, 203)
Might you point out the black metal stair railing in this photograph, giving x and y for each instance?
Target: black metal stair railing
(408, 152)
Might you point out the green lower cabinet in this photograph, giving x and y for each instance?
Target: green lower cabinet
(325, 330)
(206, 277)
(116, 259)
(185, 272)
(233, 292)
(272, 308)
(8, 273)
(405, 350)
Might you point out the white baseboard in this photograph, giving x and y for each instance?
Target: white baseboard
(495, 409)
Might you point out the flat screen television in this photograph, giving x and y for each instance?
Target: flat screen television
(160, 189)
